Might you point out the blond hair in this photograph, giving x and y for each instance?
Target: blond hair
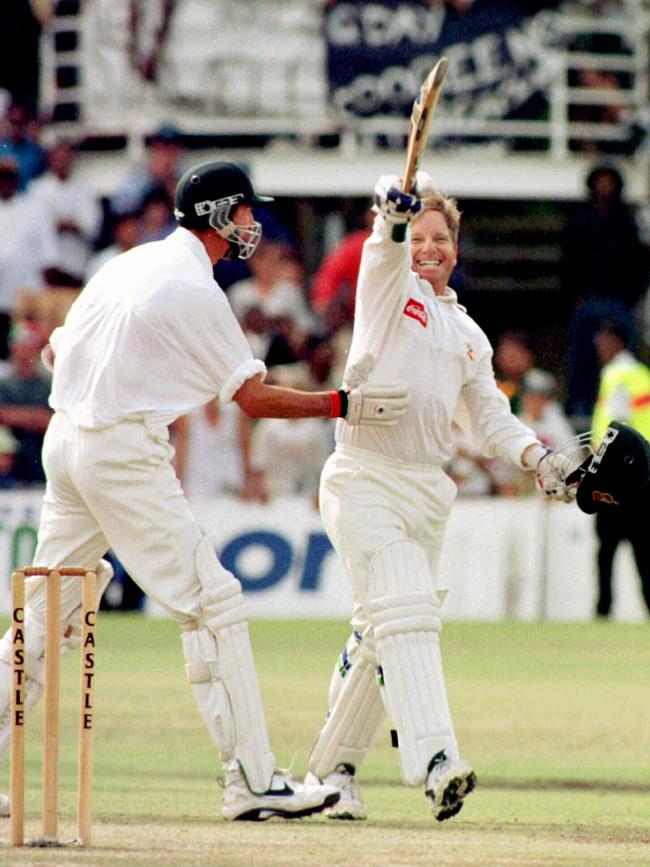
(447, 206)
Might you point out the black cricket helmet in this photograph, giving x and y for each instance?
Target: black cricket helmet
(618, 474)
(207, 194)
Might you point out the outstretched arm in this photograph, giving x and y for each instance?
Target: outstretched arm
(379, 405)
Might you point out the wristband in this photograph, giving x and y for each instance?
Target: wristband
(339, 401)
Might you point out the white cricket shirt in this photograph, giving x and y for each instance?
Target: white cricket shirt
(432, 345)
(151, 336)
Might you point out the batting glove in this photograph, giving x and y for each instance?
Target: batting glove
(394, 205)
(381, 405)
(424, 185)
(551, 475)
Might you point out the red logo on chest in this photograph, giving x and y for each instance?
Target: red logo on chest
(416, 310)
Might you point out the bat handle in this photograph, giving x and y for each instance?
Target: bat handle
(398, 232)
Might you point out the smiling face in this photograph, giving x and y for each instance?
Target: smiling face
(433, 250)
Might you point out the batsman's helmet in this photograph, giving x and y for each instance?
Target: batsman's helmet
(207, 195)
(618, 474)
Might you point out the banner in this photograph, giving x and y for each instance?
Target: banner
(380, 51)
(503, 558)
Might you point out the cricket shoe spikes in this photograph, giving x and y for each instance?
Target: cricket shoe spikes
(448, 783)
(285, 798)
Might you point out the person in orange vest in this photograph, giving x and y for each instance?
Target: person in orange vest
(623, 395)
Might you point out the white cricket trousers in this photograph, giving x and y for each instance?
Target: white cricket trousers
(368, 502)
(116, 488)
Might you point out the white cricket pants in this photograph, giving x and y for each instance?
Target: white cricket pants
(116, 488)
(368, 501)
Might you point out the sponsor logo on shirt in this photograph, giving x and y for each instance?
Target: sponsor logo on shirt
(469, 351)
(416, 310)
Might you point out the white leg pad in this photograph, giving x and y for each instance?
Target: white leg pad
(356, 709)
(403, 607)
(200, 650)
(231, 697)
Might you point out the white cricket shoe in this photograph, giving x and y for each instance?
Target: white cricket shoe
(4, 805)
(448, 783)
(350, 805)
(284, 798)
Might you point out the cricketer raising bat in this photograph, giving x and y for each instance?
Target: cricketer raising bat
(423, 109)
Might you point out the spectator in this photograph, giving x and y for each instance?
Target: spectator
(335, 280)
(157, 219)
(75, 213)
(541, 410)
(512, 359)
(257, 329)
(8, 447)
(287, 455)
(320, 354)
(271, 287)
(470, 470)
(28, 246)
(605, 273)
(19, 139)
(24, 406)
(212, 447)
(272, 297)
(126, 234)
(623, 395)
(609, 112)
(162, 168)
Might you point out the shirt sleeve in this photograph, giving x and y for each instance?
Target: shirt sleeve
(245, 371)
(222, 359)
(384, 282)
(484, 412)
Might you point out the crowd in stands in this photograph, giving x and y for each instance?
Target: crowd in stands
(57, 233)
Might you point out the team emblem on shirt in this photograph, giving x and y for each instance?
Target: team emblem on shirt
(416, 310)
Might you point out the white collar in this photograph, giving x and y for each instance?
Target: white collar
(185, 238)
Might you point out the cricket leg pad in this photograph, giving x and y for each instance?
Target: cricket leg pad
(221, 668)
(356, 709)
(404, 611)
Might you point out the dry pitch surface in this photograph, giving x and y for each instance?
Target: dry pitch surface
(555, 719)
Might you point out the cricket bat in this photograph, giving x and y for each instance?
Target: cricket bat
(423, 109)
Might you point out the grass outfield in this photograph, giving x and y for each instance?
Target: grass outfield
(555, 719)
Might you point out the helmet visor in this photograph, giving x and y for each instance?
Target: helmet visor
(246, 237)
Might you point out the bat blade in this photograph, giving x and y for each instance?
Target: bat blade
(421, 115)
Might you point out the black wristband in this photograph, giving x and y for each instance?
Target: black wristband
(344, 402)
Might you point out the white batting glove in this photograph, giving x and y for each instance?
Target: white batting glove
(424, 185)
(394, 205)
(551, 475)
(377, 404)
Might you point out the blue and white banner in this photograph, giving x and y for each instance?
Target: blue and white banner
(503, 558)
(380, 51)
